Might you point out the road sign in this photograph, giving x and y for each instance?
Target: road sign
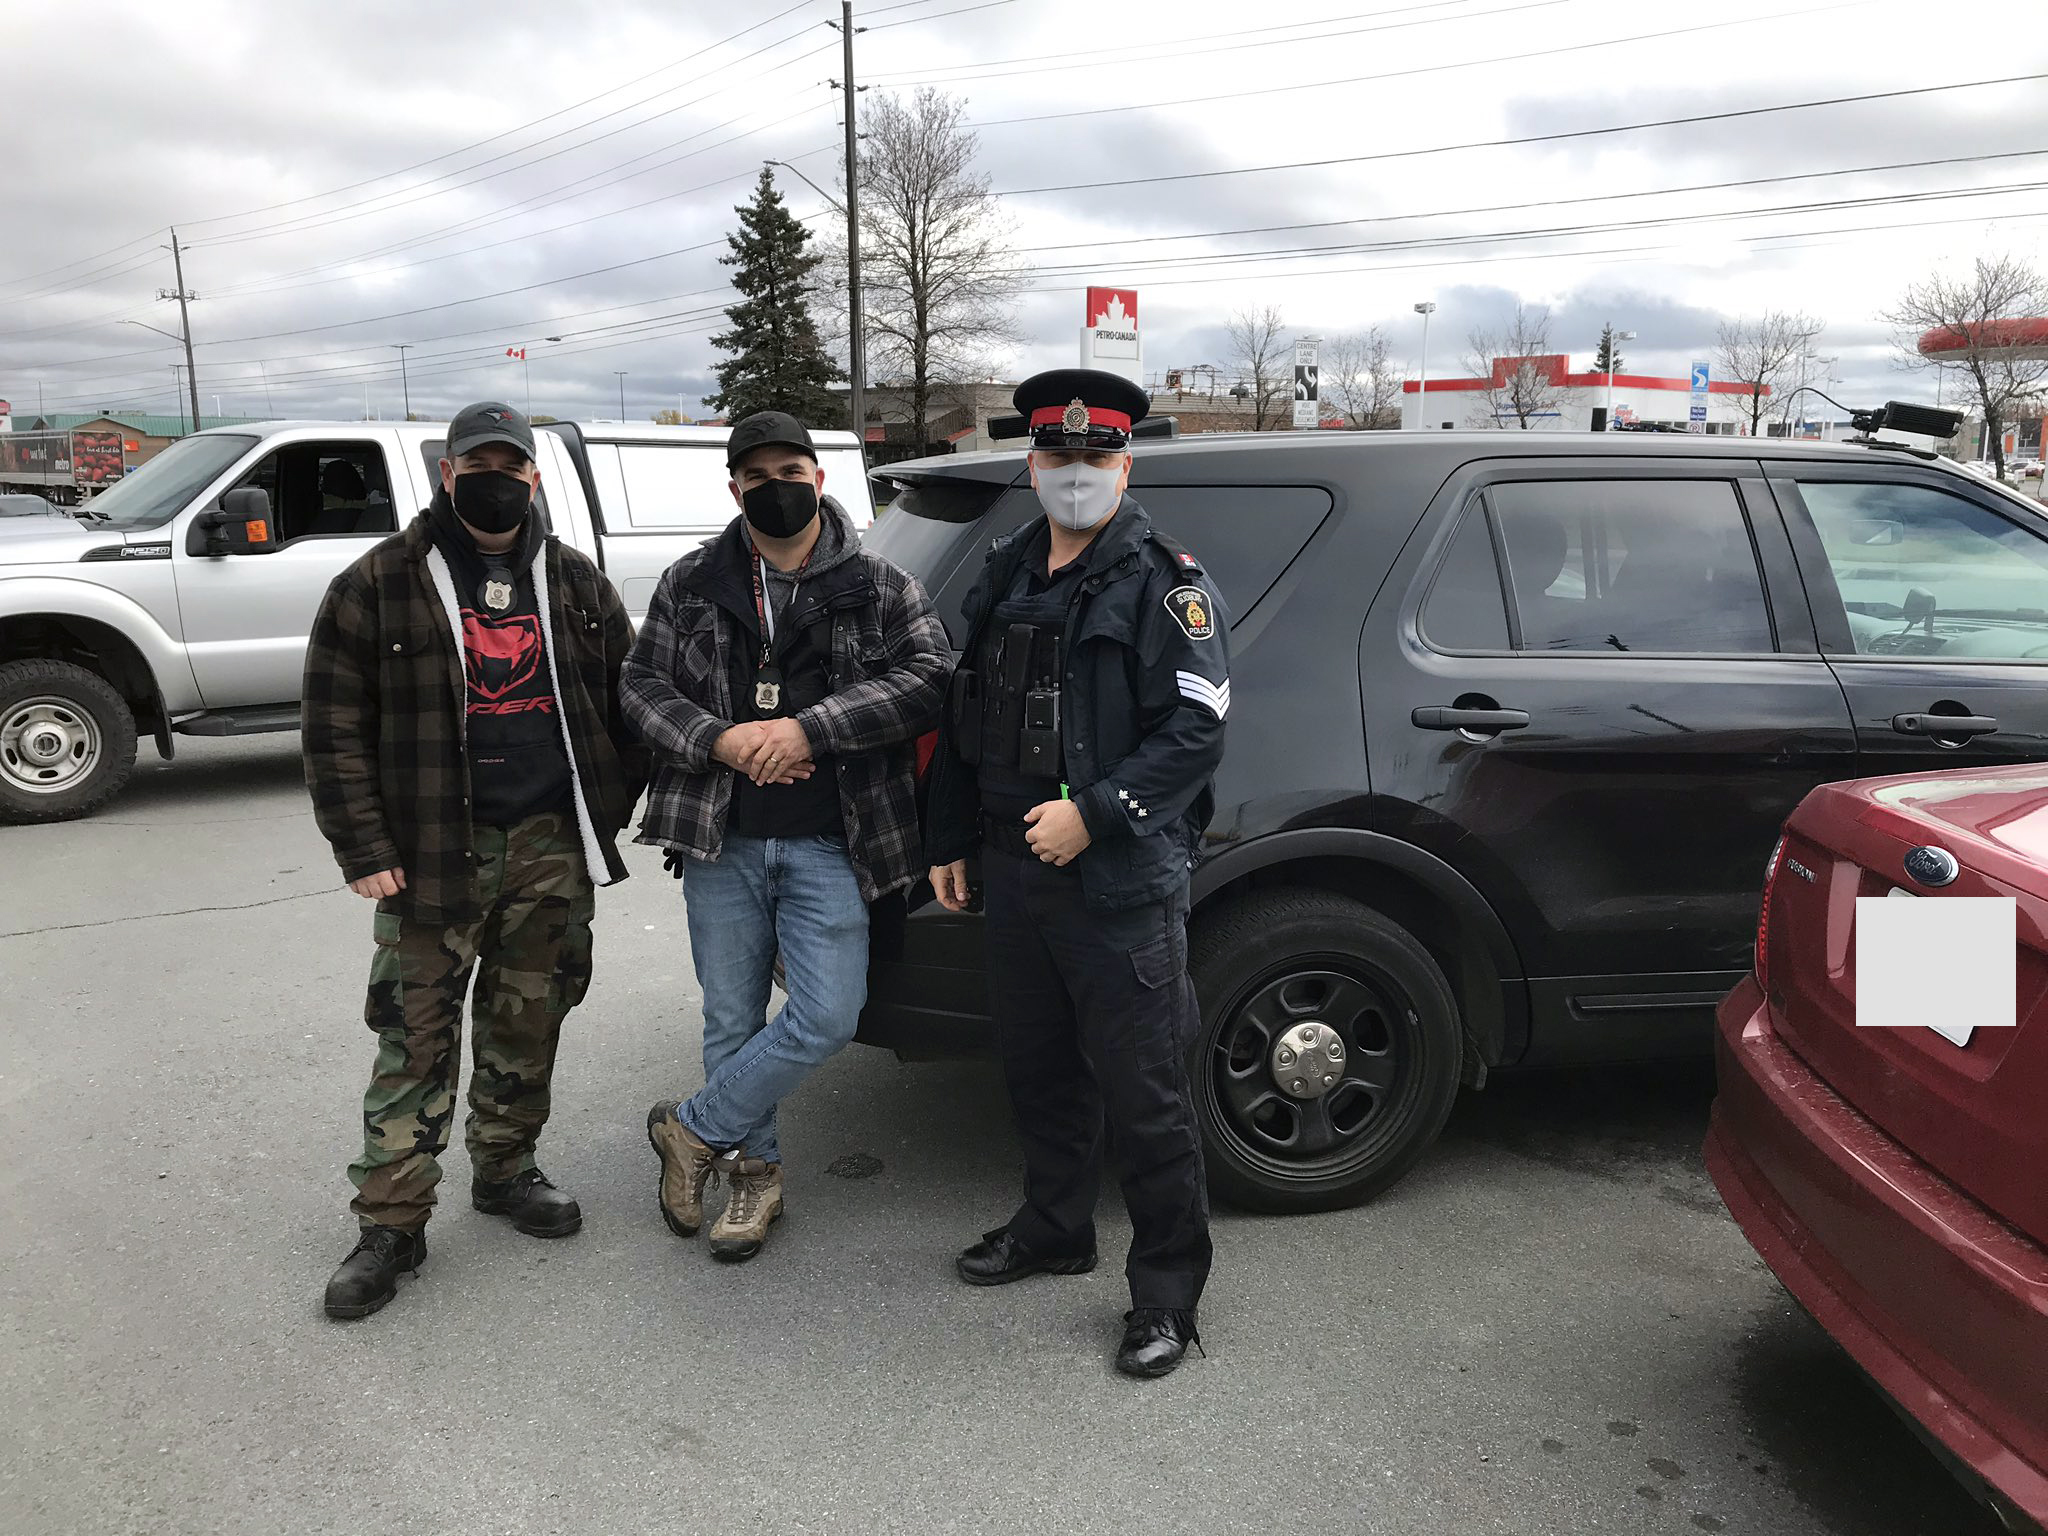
(1307, 385)
(1699, 378)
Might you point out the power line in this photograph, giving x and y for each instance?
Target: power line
(1547, 202)
(695, 56)
(1062, 63)
(1490, 237)
(1536, 138)
(911, 21)
(450, 154)
(343, 216)
(1520, 56)
(1202, 37)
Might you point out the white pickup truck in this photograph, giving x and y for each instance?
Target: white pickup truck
(156, 615)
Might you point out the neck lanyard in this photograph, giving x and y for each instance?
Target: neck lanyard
(764, 610)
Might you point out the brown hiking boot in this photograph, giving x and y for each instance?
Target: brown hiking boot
(756, 1200)
(687, 1165)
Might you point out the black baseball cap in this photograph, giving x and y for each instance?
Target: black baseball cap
(489, 421)
(764, 428)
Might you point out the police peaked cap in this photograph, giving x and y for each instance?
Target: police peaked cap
(1080, 408)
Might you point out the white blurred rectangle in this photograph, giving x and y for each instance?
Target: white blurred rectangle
(1945, 963)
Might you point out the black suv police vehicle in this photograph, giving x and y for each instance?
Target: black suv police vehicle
(1514, 721)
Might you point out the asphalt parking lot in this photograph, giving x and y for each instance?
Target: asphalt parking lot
(1551, 1328)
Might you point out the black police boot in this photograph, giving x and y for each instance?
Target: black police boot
(368, 1277)
(1155, 1338)
(536, 1207)
(999, 1258)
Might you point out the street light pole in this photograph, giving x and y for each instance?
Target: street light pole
(620, 375)
(1424, 309)
(401, 348)
(1614, 340)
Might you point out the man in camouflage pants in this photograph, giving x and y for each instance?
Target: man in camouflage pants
(471, 768)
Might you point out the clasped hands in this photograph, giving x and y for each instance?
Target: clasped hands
(766, 751)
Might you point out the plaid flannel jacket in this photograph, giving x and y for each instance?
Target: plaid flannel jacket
(383, 713)
(889, 670)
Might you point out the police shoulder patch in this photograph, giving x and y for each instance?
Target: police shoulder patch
(1190, 607)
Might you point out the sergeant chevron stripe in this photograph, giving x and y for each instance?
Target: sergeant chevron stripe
(1197, 689)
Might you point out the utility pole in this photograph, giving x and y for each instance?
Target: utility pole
(620, 375)
(184, 323)
(856, 371)
(178, 395)
(401, 348)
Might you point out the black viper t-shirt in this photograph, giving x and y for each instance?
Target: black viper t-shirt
(518, 762)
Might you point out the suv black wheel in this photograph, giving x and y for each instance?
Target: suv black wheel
(67, 741)
(1328, 1056)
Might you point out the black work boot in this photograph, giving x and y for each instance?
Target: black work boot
(536, 1207)
(999, 1258)
(368, 1277)
(1155, 1339)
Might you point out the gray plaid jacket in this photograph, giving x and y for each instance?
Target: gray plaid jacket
(889, 670)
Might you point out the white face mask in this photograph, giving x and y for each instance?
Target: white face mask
(1078, 495)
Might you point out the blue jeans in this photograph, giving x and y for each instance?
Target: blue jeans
(763, 893)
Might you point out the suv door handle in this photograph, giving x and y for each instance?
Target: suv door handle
(1944, 725)
(1444, 717)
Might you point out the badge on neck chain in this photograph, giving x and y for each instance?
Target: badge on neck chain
(498, 590)
(767, 690)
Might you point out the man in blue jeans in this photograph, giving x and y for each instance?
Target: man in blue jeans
(781, 679)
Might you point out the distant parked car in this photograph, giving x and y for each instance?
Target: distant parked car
(1896, 1179)
(18, 505)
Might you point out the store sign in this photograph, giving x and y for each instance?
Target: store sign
(1113, 319)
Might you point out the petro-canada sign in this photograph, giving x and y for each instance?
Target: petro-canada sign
(1113, 318)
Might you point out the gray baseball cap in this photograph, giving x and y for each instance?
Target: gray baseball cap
(489, 421)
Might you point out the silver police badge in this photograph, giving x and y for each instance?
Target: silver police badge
(497, 595)
(1076, 418)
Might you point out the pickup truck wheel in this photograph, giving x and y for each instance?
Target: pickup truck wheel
(1328, 1056)
(67, 741)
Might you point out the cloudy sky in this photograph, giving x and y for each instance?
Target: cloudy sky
(465, 178)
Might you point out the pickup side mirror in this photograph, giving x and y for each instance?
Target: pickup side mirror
(241, 525)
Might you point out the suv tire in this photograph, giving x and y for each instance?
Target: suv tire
(1267, 965)
(67, 741)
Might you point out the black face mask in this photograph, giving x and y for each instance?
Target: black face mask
(491, 501)
(780, 509)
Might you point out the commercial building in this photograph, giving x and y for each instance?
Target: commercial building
(1553, 398)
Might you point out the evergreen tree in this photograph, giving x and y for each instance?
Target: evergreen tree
(774, 361)
(1608, 358)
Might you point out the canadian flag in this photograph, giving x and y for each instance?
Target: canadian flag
(518, 352)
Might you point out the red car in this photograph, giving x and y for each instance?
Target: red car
(1896, 1179)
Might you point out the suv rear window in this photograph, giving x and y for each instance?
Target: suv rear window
(1611, 566)
(929, 529)
(1244, 535)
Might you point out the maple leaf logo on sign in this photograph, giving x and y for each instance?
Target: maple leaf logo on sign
(1113, 308)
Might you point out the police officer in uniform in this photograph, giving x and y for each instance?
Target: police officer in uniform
(1076, 762)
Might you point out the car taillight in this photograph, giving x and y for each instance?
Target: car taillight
(1763, 919)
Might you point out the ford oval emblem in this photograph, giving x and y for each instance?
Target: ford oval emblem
(1931, 866)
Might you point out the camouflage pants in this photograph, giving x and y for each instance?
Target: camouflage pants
(530, 955)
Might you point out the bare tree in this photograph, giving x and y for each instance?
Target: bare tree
(938, 281)
(1763, 356)
(1365, 380)
(1518, 369)
(1265, 364)
(1972, 319)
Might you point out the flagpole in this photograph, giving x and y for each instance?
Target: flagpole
(523, 363)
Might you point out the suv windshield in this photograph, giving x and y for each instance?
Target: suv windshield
(155, 493)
